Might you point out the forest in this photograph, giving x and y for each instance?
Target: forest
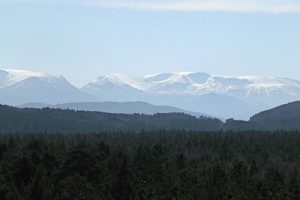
(157, 164)
(50, 120)
(32, 120)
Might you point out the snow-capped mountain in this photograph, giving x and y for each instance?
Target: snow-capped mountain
(238, 97)
(20, 86)
(221, 96)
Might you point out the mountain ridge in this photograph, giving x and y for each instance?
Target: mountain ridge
(21, 86)
(282, 118)
(48, 120)
(222, 96)
(250, 93)
(138, 107)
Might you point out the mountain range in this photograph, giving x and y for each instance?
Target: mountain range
(31, 120)
(138, 107)
(221, 96)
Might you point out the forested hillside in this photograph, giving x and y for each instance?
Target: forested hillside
(66, 155)
(57, 120)
(150, 165)
(286, 117)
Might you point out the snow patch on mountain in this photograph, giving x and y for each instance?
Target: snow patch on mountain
(198, 84)
(20, 86)
(181, 89)
(222, 96)
(9, 77)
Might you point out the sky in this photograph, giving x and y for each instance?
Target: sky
(84, 39)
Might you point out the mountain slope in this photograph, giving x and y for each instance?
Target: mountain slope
(197, 84)
(116, 107)
(222, 96)
(19, 87)
(29, 120)
(286, 117)
(237, 97)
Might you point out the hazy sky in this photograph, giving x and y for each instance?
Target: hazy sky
(83, 39)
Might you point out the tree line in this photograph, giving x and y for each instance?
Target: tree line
(150, 165)
(31, 120)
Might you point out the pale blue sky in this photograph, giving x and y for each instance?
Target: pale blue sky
(85, 39)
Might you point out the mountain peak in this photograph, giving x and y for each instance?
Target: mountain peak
(9, 77)
(196, 83)
(23, 86)
(223, 96)
(23, 73)
(193, 90)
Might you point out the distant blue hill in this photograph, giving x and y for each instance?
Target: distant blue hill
(117, 107)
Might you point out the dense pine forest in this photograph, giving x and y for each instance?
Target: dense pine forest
(150, 165)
